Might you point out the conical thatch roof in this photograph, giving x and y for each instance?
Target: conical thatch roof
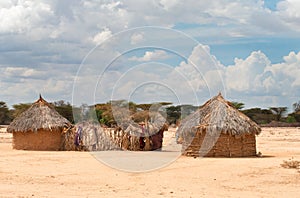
(218, 115)
(41, 115)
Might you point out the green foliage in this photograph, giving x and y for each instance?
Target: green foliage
(173, 114)
(132, 106)
(64, 109)
(296, 113)
(148, 106)
(123, 104)
(238, 105)
(19, 108)
(165, 103)
(176, 113)
(291, 119)
(85, 113)
(104, 114)
(144, 106)
(278, 112)
(296, 107)
(296, 116)
(5, 116)
(260, 116)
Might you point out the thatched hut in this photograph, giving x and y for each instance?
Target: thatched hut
(217, 129)
(38, 128)
(144, 135)
(130, 134)
(88, 136)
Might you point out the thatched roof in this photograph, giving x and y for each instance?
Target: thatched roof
(41, 115)
(218, 116)
(155, 122)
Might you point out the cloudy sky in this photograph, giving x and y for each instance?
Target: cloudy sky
(150, 50)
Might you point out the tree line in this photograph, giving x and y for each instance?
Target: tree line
(104, 114)
(7, 115)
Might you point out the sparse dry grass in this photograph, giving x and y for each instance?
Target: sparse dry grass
(291, 164)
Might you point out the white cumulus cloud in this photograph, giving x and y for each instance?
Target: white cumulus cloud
(151, 56)
(21, 72)
(102, 36)
(243, 74)
(136, 38)
(21, 16)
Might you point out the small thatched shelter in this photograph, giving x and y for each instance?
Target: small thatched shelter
(88, 136)
(217, 129)
(38, 128)
(128, 135)
(144, 132)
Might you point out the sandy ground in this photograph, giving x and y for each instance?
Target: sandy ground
(80, 174)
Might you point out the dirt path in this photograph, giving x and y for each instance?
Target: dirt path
(79, 174)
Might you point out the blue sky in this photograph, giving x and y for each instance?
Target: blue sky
(184, 52)
(274, 48)
(271, 4)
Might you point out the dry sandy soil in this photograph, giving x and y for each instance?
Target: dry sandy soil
(79, 174)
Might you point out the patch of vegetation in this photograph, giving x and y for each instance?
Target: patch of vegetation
(291, 164)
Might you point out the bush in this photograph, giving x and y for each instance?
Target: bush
(291, 119)
(291, 164)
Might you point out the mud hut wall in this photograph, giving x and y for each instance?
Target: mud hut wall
(226, 146)
(192, 145)
(42, 140)
(249, 145)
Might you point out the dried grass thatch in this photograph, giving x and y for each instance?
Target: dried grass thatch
(153, 122)
(218, 129)
(150, 135)
(218, 116)
(41, 115)
(128, 136)
(92, 137)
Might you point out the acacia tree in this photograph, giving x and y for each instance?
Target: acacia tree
(296, 107)
(295, 116)
(260, 116)
(278, 112)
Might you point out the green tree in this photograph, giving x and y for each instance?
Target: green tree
(144, 106)
(238, 105)
(4, 113)
(296, 107)
(19, 108)
(104, 114)
(278, 112)
(291, 119)
(294, 115)
(85, 113)
(260, 116)
(152, 105)
(65, 109)
(175, 113)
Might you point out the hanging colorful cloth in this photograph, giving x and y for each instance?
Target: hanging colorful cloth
(78, 136)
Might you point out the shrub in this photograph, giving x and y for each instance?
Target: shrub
(291, 164)
(291, 119)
